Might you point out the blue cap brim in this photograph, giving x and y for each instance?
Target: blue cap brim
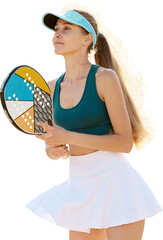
(50, 20)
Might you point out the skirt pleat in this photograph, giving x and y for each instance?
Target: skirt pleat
(103, 190)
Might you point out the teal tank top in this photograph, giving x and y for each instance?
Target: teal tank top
(89, 116)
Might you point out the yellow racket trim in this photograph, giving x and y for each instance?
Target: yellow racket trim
(32, 76)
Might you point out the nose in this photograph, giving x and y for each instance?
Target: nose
(57, 35)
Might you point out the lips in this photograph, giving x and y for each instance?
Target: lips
(55, 43)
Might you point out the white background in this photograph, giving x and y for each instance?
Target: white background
(25, 171)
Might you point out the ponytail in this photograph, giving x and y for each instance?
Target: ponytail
(104, 57)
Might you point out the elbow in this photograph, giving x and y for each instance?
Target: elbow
(128, 146)
(128, 150)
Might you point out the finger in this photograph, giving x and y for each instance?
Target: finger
(54, 146)
(45, 136)
(39, 136)
(58, 145)
(45, 126)
(41, 124)
(57, 148)
(62, 148)
(59, 153)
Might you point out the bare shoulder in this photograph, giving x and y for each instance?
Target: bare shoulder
(106, 80)
(106, 74)
(52, 84)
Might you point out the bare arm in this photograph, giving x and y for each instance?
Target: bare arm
(122, 139)
(58, 151)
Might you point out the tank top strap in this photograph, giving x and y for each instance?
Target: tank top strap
(93, 71)
(91, 78)
(94, 68)
(56, 90)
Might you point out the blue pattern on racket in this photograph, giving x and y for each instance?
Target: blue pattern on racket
(26, 100)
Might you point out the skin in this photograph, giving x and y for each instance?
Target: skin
(131, 231)
(74, 50)
(108, 87)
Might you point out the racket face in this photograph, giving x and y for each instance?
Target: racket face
(26, 99)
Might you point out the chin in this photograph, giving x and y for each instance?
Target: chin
(66, 50)
(58, 51)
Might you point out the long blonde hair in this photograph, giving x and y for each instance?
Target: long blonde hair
(103, 56)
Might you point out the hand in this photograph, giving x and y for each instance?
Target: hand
(57, 152)
(54, 136)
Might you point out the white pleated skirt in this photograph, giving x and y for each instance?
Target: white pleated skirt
(103, 190)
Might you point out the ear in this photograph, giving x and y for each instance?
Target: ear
(88, 39)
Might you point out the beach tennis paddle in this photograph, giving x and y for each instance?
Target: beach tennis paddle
(26, 100)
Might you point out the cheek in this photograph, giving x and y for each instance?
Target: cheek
(73, 42)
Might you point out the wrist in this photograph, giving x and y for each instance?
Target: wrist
(74, 137)
(68, 137)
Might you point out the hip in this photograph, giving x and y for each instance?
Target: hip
(96, 163)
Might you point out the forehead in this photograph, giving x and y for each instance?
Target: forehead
(63, 22)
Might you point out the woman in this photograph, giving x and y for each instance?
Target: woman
(94, 114)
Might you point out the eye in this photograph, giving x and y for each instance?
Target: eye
(66, 28)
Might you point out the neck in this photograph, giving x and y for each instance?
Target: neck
(77, 68)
